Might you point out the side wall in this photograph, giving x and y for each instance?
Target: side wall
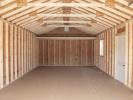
(107, 62)
(18, 52)
(66, 52)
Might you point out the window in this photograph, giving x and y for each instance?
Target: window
(101, 47)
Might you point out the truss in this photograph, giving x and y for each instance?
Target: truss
(64, 11)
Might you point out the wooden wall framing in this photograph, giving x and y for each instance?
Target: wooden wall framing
(66, 52)
(129, 54)
(19, 52)
(1, 55)
(107, 62)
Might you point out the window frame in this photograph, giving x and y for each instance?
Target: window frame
(101, 48)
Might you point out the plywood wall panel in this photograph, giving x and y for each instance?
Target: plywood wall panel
(26, 51)
(73, 53)
(11, 53)
(62, 52)
(22, 51)
(78, 52)
(16, 50)
(51, 52)
(67, 52)
(107, 62)
(56, 52)
(90, 52)
(1, 54)
(83, 52)
(31, 52)
(6, 54)
(129, 55)
(96, 52)
(41, 52)
(45, 52)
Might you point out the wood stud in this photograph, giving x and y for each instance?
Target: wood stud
(107, 63)
(16, 52)
(67, 52)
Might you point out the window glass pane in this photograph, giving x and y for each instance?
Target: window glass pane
(101, 47)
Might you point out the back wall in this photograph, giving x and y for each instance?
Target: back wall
(66, 52)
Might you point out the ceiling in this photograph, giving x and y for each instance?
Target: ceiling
(43, 16)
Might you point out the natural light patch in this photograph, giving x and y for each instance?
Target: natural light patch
(101, 47)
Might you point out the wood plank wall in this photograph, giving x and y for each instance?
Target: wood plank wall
(66, 52)
(129, 54)
(107, 62)
(1, 54)
(19, 52)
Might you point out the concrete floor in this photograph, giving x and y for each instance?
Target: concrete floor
(66, 83)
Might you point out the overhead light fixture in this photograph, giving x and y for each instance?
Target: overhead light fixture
(110, 3)
(21, 3)
(66, 28)
(34, 13)
(99, 14)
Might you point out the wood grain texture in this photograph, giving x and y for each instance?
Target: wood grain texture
(66, 52)
(1, 54)
(129, 55)
(16, 52)
(56, 52)
(51, 52)
(107, 62)
(59, 32)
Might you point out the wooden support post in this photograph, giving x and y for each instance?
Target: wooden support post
(15, 50)
(127, 54)
(1, 54)
(22, 51)
(11, 53)
(114, 31)
(6, 58)
(130, 65)
(19, 55)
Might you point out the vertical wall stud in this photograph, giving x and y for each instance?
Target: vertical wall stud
(1, 54)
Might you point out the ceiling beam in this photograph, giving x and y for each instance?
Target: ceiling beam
(69, 38)
(26, 12)
(67, 15)
(46, 10)
(53, 21)
(65, 5)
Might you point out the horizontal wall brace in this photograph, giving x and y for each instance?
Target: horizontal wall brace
(67, 15)
(39, 4)
(65, 26)
(76, 22)
(68, 38)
